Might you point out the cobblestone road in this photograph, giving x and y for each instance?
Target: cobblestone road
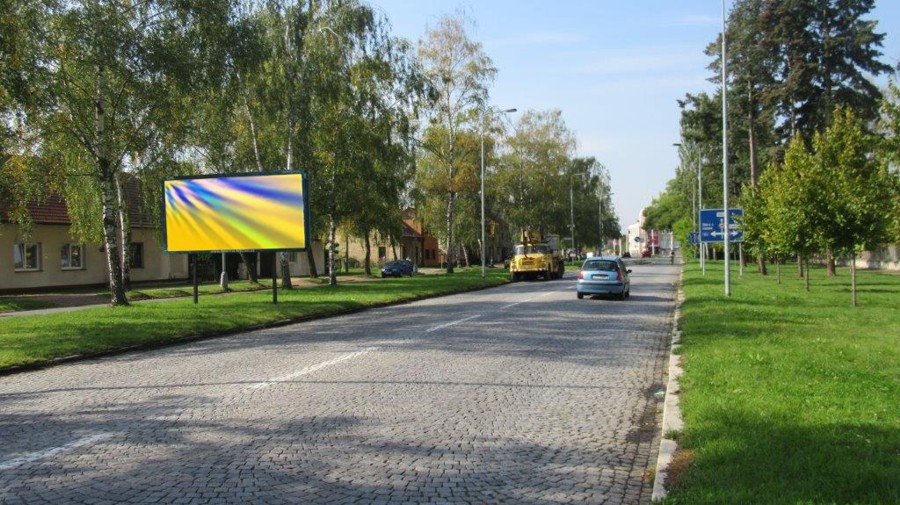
(519, 394)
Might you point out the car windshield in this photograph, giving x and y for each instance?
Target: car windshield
(604, 265)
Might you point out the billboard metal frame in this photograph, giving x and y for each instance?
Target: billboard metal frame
(305, 224)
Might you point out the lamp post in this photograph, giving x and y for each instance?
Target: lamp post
(484, 114)
(699, 206)
(572, 212)
(572, 208)
(726, 241)
(699, 212)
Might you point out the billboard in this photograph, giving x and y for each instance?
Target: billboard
(242, 212)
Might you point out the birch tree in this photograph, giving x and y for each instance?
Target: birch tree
(460, 72)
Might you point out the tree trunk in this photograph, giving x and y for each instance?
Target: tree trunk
(368, 258)
(285, 271)
(800, 266)
(806, 267)
(311, 258)
(251, 268)
(853, 277)
(754, 165)
(125, 234)
(253, 136)
(108, 194)
(110, 236)
(346, 253)
(332, 236)
(449, 242)
(778, 268)
(829, 262)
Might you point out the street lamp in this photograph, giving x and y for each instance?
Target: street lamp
(726, 238)
(572, 207)
(698, 210)
(484, 114)
(601, 201)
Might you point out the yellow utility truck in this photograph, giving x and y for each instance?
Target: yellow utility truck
(537, 257)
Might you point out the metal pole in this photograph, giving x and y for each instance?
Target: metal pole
(600, 220)
(275, 277)
(194, 274)
(482, 197)
(699, 213)
(725, 157)
(484, 114)
(572, 213)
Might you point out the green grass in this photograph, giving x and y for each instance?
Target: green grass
(789, 396)
(183, 289)
(13, 305)
(33, 340)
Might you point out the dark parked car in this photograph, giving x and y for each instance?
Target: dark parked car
(397, 268)
(605, 275)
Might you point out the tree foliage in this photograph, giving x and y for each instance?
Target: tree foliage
(459, 72)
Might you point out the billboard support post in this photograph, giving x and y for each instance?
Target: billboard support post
(275, 278)
(194, 275)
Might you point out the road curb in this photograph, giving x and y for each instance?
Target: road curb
(672, 422)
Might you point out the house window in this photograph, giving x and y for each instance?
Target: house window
(382, 252)
(26, 257)
(136, 255)
(71, 257)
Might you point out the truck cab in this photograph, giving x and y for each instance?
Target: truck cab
(536, 258)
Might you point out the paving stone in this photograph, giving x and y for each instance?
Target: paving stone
(463, 399)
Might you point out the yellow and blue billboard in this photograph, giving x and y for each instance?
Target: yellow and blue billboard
(244, 212)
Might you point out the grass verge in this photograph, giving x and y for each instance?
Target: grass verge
(15, 305)
(28, 340)
(789, 396)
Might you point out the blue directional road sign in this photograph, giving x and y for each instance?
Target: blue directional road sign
(712, 225)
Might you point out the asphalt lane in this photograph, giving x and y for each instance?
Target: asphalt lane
(516, 394)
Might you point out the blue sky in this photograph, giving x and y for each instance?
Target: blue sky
(614, 68)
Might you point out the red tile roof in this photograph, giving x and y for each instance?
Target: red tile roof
(54, 209)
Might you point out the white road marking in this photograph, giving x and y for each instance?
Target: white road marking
(445, 325)
(313, 368)
(546, 293)
(514, 304)
(46, 453)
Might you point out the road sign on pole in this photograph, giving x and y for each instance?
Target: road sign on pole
(712, 225)
(693, 238)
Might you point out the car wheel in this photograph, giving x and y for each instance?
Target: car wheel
(580, 296)
(623, 295)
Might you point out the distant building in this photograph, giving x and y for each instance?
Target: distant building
(416, 244)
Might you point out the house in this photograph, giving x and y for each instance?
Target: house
(416, 244)
(50, 257)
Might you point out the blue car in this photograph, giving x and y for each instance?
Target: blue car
(605, 275)
(397, 269)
